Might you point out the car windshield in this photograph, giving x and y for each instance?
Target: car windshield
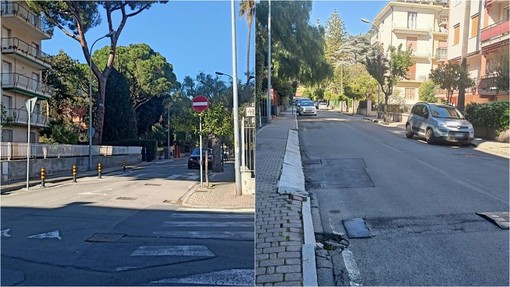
(445, 112)
(307, 103)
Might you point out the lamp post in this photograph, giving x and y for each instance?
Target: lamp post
(268, 111)
(111, 34)
(237, 164)
(378, 85)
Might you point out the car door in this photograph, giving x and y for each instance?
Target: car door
(423, 120)
(415, 118)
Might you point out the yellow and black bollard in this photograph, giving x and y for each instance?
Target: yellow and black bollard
(99, 170)
(74, 173)
(124, 166)
(43, 177)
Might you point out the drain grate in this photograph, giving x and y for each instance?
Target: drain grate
(153, 184)
(126, 198)
(501, 219)
(105, 237)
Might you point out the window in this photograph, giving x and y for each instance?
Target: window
(412, 43)
(411, 20)
(506, 13)
(7, 135)
(7, 73)
(456, 34)
(7, 103)
(409, 93)
(411, 72)
(474, 26)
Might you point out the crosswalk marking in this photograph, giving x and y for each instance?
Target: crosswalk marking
(175, 176)
(207, 234)
(51, 234)
(178, 250)
(207, 224)
(231, 277)
(193, 177)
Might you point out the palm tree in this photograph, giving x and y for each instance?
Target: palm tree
(247, 9)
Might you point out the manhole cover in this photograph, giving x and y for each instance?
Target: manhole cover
(501, 219)
(334, 211)
(126, 198)
(356, 228)
(105, 237)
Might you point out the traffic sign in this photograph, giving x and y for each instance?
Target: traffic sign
(199, 104)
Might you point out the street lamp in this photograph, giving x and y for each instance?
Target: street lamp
(378, 85)
(111, 34)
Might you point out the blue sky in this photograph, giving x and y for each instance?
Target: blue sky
(195, 36)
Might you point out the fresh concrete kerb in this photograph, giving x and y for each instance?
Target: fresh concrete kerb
(292, 182)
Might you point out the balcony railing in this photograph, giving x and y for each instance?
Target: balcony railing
(15, 9)
(488, 85)
(20, 116)
(19, 46)
(26, 84)
(495, 30)
(441, 53)
(419, 28)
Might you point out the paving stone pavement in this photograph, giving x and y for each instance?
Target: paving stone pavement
(278, 223)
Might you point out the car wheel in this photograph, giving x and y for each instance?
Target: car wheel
(189, 166)
(409, 131)
(429, 136)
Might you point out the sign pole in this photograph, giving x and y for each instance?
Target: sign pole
(29, 104)
(201, 171)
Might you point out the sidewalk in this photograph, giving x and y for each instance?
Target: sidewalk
(278, 224)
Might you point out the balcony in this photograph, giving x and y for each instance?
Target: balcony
(487, 86)
(495, 32)
(419, 29)
(22, 50)
(25, 85)
(441, 54)
(422, 54)
(20, 116)
(19, 15)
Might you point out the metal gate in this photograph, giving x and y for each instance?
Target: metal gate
(248, 130)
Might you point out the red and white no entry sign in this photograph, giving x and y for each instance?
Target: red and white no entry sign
(199, 104)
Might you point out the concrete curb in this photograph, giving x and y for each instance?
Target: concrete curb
(292, 182)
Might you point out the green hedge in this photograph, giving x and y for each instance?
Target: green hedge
(149, 146)
(494, 115)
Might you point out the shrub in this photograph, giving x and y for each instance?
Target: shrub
(494, 115)
(149, 145)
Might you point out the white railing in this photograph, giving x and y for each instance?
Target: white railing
(11, 150)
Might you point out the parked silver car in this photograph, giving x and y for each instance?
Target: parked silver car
(307, 108)
(438, 122)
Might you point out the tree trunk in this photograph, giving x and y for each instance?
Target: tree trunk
(217, 156)
(463, 61)
(386, 98)
(248, 56)
(99, 114)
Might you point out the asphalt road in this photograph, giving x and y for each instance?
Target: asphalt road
(419, 202)
(123, 229)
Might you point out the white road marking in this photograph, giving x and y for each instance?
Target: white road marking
(5, 233)
(352, 268)
(206, 234)
(193, 177)
(175, 176)
(178, 250)
(202, 215)
(96, 192)
(231, 277)
(207, 224)
(51, 234)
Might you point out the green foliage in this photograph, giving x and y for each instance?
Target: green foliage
(6, 120)
(150, 114)
(501, 72)
(427, 91)
(60, 132)
(450, 77)
(147, 72)
(336, 36)
(358, 83)
(388, 71)
(218, 122)
(493, 114)
(120, 118)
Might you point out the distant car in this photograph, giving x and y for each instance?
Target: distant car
(438, 122)
(300, 101)
(307, 108)
(194, 158)
(323, 106)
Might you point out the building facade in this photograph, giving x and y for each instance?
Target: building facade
(22, 64)
(422, 26)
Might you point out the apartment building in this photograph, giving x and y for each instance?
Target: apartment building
(421, 25)
(22, 64)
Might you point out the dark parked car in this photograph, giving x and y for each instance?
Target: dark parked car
(437, 122)
(194, 158)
